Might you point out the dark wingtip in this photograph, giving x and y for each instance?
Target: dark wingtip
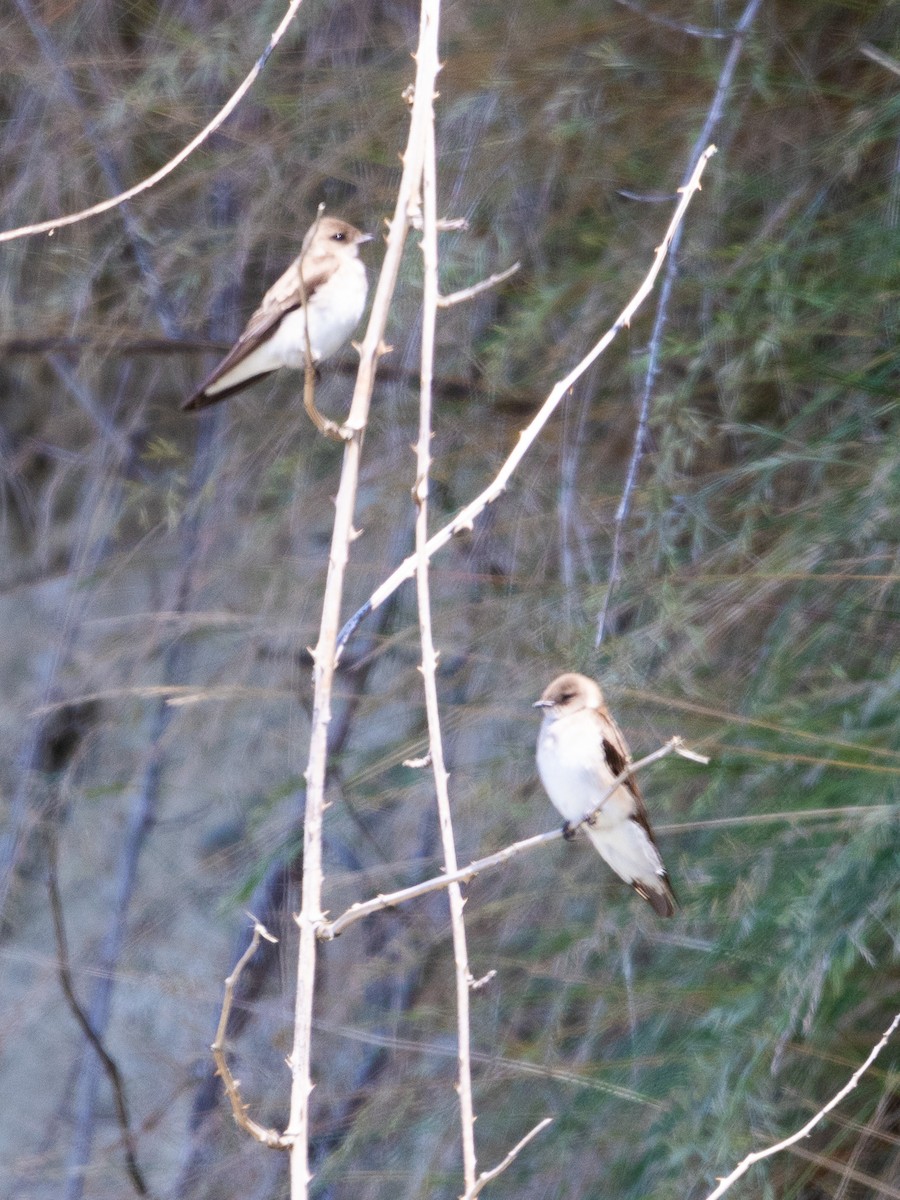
(201, 399)
(663, 903)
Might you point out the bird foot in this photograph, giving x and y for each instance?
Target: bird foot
(569, 831)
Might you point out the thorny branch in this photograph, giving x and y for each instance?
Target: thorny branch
(327, 930)
(268, 1137)
(462, 973)
(324, 655)
(744, 1166)
(465, 518)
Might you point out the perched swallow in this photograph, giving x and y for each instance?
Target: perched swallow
(323, 289)
(580, 751)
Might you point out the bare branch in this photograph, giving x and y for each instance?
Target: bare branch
(879, 56)
(325, 655)
(268, 1137)
(462, 973)
(109, 1064)
(324, 424)
(744, 1166)
(327, 930)
(662, 312)
(465, 518)
(477, 288)
(221, 116)
(487, 1176)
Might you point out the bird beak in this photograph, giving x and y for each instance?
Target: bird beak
(542, 704)
(365, 237)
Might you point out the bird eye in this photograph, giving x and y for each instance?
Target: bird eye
(566, 697)
(339, 237)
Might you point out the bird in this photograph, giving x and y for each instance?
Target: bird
(580, 751)
(326, 283)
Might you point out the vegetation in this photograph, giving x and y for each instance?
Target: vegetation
(151, 558)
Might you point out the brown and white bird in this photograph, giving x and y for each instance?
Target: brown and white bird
(324, 289)
(580, 751)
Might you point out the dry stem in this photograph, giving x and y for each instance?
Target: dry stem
(465, 518)
(487, 1176)
(477, 288)
(322, 423)
(268, 1137)
(429, 656)
(324, 655)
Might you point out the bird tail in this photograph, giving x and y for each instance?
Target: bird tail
(662, 900)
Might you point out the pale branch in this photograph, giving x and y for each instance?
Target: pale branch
(487, 1176)
(324, 424)
(744, 1166)
(879, 56)
(268, 1137)
(462, 973)
(477, 288)
(662, 312)
(221, 116)
(328, 930)
(325, 655)
(465, 518)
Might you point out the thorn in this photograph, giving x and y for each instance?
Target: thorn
(416, 764)
(477, 984)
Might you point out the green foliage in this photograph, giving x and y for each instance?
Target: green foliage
(756, 613)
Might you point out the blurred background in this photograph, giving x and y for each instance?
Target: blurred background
(161, 578)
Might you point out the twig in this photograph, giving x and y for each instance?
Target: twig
(465, 518)
(677, 26)
(662, 312)
(322, 423)
(487, 1176)
(328, 930)
(221, 116)
(477, 288)
(67, 984)
(463, 975)
(744, 1166)
(268, 1137)
(324, 655)
(879, 56)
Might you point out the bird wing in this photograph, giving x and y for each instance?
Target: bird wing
(660, 894)
(285, 295)
(618, 757)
